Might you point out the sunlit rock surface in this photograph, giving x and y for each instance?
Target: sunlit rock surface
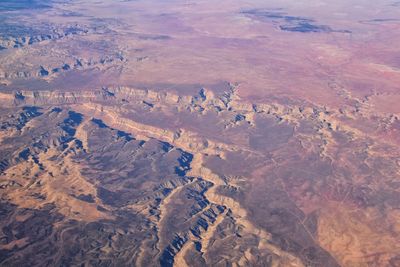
(199, 133)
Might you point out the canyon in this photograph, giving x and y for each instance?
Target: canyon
(192, 133)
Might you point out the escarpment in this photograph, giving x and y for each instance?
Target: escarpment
(121, 154)
(169, 133)
(25, 36)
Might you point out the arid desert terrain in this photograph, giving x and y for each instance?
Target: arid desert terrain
(200, 133)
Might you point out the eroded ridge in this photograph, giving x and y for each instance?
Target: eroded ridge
(184, 195)
(202, 133)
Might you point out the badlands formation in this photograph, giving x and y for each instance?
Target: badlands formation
(199, 133)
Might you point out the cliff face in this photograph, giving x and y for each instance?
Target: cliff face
(93, 158)
(202, 133)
